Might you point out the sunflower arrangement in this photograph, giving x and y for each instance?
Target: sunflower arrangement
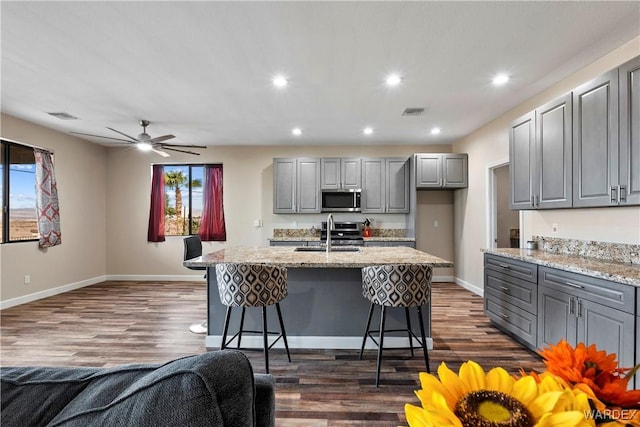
(581, 387)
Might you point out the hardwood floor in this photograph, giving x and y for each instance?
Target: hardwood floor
(124, 322)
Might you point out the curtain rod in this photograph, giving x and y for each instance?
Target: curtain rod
(29, 145)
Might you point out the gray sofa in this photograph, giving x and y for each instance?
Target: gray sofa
(212, 389)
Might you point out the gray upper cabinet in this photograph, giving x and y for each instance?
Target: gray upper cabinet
(552, 175)
(296, 185)
(340, 173)
(595, 142)
(385, 185)
(540, 157)
(522, 161)
(629, 165)
(441, 170)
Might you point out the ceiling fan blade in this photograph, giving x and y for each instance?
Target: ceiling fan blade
(100, 136)
(183, 146)
(158, 139)
(162, 153)
(124, 134)
(181, 151)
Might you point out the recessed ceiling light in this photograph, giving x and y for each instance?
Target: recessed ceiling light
(393, 80)
(435, 131)
(500, 79)
(280, 81)
(296, 131)
(367, 131)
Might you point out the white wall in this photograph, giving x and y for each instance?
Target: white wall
(80, 169)
(490, 144)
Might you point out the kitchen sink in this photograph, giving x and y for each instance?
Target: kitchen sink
(324, 249)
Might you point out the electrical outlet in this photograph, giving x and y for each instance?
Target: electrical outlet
(27, 279)
(554, 228)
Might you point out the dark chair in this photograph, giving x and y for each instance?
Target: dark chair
(252, 285)
(398, 285)
(193, 249)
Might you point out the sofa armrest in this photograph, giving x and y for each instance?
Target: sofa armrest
(265, 400)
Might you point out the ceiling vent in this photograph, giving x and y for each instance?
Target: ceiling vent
(63, 116)
(413, 111)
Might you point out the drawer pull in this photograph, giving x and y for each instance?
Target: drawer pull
(574, 285)
(504, 289)
(504, 316)
(504, 265)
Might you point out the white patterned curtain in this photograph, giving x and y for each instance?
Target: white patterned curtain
(47, 206)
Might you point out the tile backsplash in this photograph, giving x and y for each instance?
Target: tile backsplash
(315, 232)
(606, 251)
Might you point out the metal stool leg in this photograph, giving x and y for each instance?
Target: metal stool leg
(366, 331)
(424, 341)
(406, 312)
(226, 328)
(380, 344)
(264, 338)
(241, 326)
(284, 334)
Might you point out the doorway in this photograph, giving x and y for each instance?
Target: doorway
(504, 223)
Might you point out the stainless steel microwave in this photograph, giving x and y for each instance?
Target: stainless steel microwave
(341, 200)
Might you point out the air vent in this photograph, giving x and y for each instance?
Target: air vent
(63, 116)
(413, 111)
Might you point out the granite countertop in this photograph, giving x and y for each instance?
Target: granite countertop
(617, 272)
(287, 257)
(366, 239)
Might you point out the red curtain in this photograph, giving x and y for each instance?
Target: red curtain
(212, 225)
(155, 232)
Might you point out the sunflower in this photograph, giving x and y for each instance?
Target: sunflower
(495, 399)
(597, 370)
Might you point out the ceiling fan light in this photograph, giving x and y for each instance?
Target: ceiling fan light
(144, 146)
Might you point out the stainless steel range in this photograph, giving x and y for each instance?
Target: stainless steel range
(343, 234)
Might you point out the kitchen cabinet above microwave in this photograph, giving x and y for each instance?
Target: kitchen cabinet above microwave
(340, 173)
(441, 170)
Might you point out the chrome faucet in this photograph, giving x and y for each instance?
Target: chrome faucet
(330, 226)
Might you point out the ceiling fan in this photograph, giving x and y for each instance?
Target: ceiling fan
(144, 142)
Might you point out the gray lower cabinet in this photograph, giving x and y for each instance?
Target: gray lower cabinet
(340, 173)
(390, 243)
(385, 185)
(296, 185)
(540, 157)
(441, 170)
(628, 191)
(510, 297)
(638, 339)
(589, 310)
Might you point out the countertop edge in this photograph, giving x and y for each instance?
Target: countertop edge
(628, 274)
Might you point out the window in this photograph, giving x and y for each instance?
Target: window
(18, 218)
(182, 199)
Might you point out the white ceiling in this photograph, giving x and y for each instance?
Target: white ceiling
(202, 70)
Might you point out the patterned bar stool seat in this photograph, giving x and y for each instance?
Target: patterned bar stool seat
(397, 285)
(252, 285)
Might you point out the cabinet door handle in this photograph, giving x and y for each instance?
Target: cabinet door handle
(622, 194)
(574, 285)
(504, 289)
(533, 201)
(571, 306)
(537, 201)
(579, 312)
(504, 266)
(614, 194)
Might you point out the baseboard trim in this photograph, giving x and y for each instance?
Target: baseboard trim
(50, 292)
(469, 286)
(326, 342)
(157, 278)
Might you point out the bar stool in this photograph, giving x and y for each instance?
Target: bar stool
(252, 285)
(193, 249)
(396, 285)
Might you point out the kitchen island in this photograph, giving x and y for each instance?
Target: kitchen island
(324, 307)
